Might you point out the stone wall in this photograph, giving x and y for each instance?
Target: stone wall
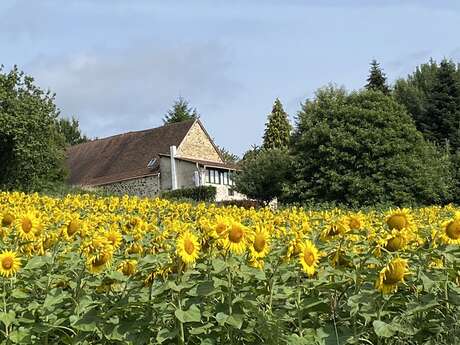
(196, 144)
(223, 193)
(142, 187)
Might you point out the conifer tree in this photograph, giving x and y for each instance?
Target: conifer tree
(180, 111)
(377, 80)
(278, 129)
(443, 110)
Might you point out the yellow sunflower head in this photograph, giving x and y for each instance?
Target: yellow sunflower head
(114, 237)
(7, 219)
(98, 263)
(128, 267)
(451, 231)
(399, 219)
(391, 275)
(236, 238)
(9, 264)
(260, 245)
(188, 247)
(395, 241)
(27, 226)
(309, 257)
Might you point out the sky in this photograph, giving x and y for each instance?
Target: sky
(119, 65)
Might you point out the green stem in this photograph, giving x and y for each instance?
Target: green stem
(299, 301)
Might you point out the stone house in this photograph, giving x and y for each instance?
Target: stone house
(144, 163)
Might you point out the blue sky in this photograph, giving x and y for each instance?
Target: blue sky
(119, 65)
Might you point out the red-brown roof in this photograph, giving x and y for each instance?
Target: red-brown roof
(123, 156)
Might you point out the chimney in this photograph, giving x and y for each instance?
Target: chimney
(172, 151)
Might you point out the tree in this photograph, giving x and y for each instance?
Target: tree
(31, 147)
(278, 129)
(70, 129)
(180, 111)
(431, 95)
(263, 174)
(377, 80)
(228, 156)
(363, 148)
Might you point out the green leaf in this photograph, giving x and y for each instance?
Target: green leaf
(19, 336)
(37, 262)
(235, 320)
(218, 265)
(383, 329)
(7, 318)
(193, 314)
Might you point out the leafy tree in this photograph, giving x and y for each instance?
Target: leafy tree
(263, 174)
(31, 147)
(180, 111)
(363, 148)
(70, 129)
(432, 97)
(377, 80)
(228, 156)
(278, 129)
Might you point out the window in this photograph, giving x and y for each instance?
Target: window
(216, 176)
(213, 176)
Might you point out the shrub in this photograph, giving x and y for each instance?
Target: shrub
(263, 174)
(363, 148)
(201, 193)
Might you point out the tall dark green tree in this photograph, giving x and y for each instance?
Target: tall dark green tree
(377, 80)
(31, 147)
(70, 129)
(363, 148)
(443, 108)
(432, 97)
(180, 111)
(278, 129)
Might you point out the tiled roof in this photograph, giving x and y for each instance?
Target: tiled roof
(123, 156)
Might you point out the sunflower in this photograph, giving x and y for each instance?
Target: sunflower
(98, 263)
(236, 238)
(356, 221)
(27, 226)
(114, 237)
(334, 229)
(260, 245)
(187, 247)
(9, 264)
(309, 257)
(451, 231)
(72, 227)
(391, 275)
(396, 240)
(6, 220)
(399, 219)
(128, 267)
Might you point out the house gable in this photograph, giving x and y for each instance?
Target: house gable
(197, 144)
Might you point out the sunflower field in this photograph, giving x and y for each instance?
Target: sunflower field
(124, 270)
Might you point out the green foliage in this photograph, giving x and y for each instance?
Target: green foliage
(31, 148)
(377, 80)
(228, 156)
(201, 193)
(363, 148)
(432, 96)
(263, 174)
(70, 129)
(278, 129)
(180, 111)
